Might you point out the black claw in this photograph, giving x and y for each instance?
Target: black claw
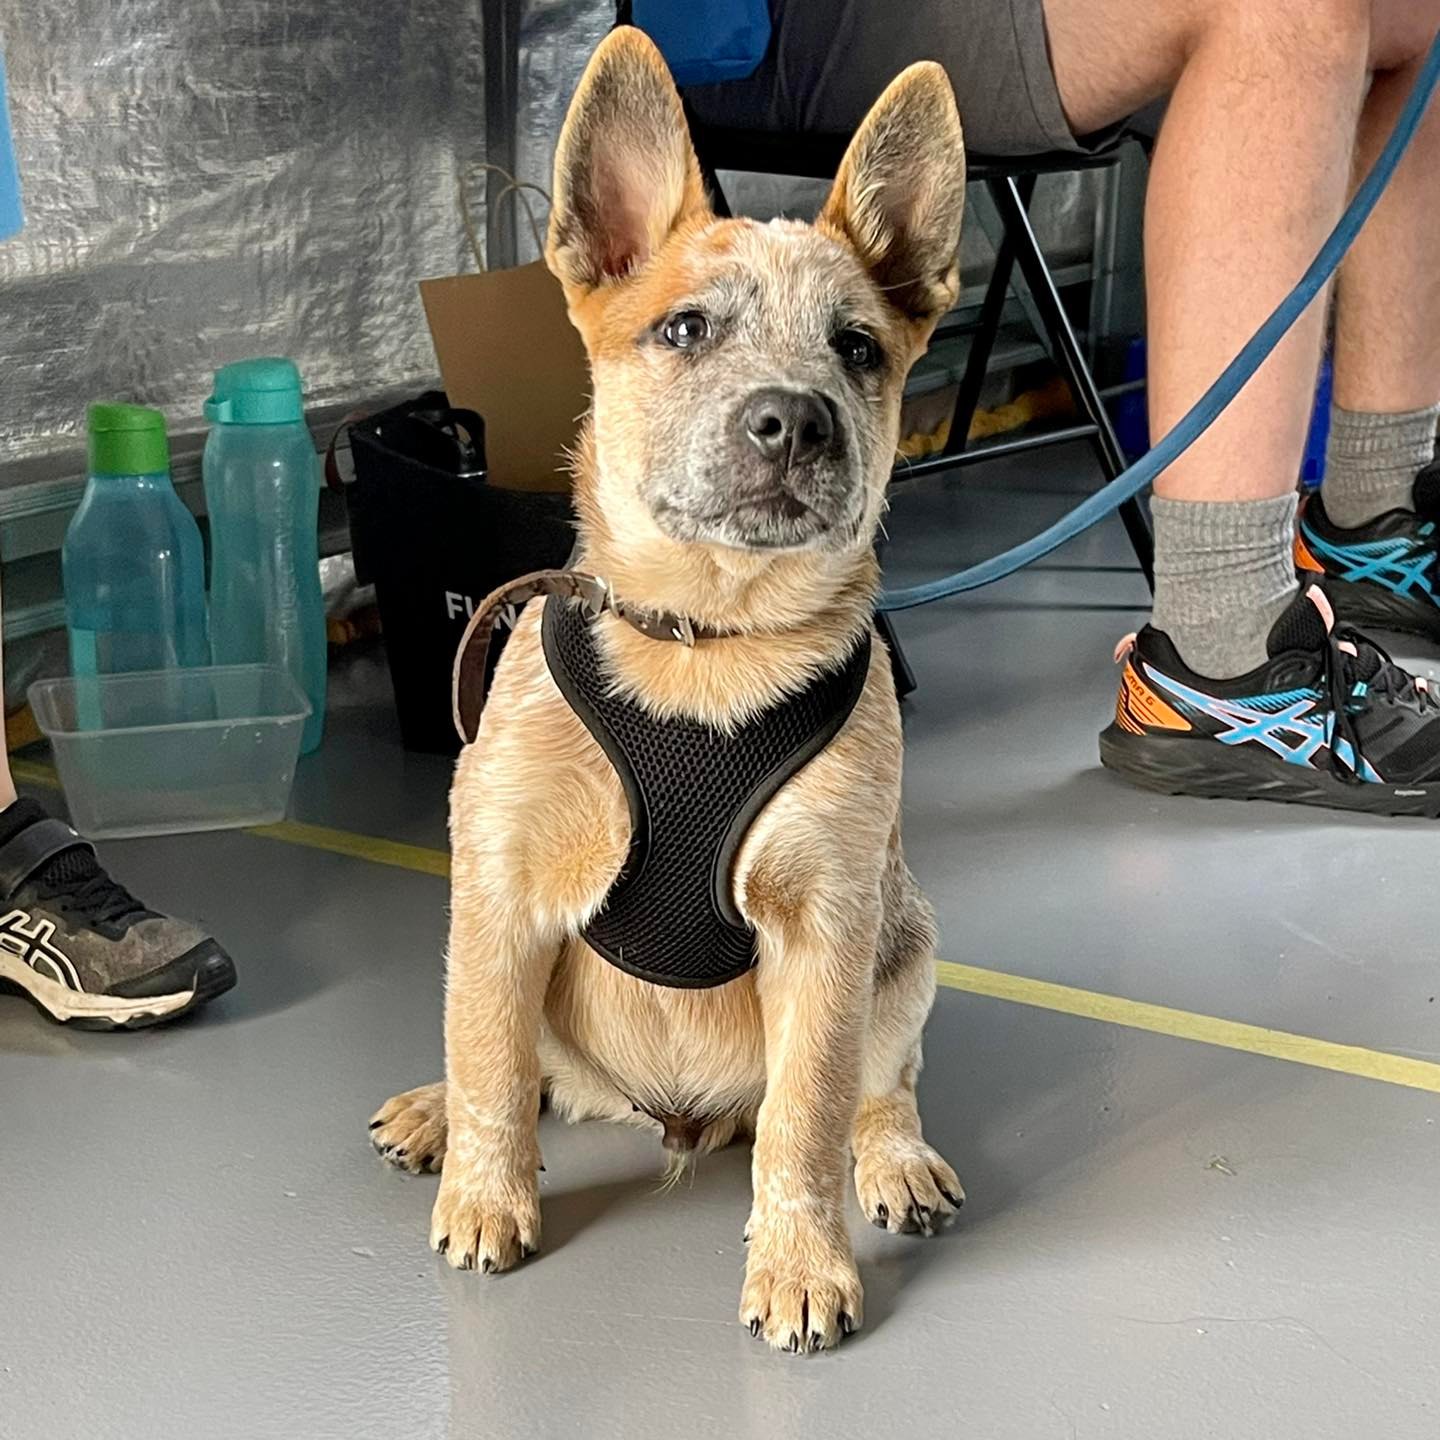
(745, 1237)
(468, 1263)
(956, 1200)
(427, 1162)
(376, 1124)
(794, 1344)
(755, 1326)
(816, 1342)
(400, 1153)
(443, 1246)
(487, 1266)
(882, 1213)
(847, 1325)
(542, 1167)
(526, 1251)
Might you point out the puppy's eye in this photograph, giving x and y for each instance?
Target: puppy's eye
(686, 330)
(857, 350)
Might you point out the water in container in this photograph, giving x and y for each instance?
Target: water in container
(262, 491)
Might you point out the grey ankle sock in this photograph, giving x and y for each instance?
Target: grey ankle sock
(1224, 570)
(1372, 461)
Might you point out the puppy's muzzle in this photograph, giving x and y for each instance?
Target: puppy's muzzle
(789, 428)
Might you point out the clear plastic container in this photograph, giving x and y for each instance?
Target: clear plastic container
(209, 748)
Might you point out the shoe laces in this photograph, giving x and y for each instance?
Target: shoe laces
(1356, 671)
(77, 885)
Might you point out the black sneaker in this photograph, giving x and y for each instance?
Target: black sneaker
(1384, 575)
(81, 946)
(1327, 720)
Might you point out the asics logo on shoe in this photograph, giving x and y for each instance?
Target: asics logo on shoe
(1287, 723)
(29, 937)
(1402, 565)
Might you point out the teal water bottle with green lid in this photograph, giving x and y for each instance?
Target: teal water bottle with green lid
(133, 562)
(262, 492)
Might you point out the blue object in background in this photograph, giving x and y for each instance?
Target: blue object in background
(1312, 469)
(1127, 410)
(707, 41)
(11, 217)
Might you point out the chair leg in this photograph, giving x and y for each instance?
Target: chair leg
(719, 201)
(1071, 360)
(982, 345)
(899, 665)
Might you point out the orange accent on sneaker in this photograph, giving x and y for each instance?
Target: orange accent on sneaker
(1138, 707)
(1304, 558)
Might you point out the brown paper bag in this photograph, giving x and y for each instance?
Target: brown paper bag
(507, 350)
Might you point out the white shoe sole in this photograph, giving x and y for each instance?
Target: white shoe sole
(97, 1011)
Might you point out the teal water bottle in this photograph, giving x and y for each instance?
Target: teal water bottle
(262, 490)
(133, 562)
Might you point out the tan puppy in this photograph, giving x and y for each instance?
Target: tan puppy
(761, 529)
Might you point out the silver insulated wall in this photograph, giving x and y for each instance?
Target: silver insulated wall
(206, 180)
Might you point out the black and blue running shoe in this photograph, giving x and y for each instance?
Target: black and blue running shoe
(1329, 719)
(1384, 575)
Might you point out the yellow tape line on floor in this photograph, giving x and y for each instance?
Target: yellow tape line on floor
(1186, 1025)
(996, 984)
(358, 847)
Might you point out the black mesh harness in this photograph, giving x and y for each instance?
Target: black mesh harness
(693, 793)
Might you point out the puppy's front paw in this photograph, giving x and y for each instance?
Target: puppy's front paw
(905, 1186)
(408, 1130)
(801, 1296)
(486, 1225)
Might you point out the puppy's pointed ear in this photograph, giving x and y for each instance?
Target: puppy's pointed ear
(625, 172)
(900, 192)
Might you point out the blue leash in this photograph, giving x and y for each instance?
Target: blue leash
(1232, 379)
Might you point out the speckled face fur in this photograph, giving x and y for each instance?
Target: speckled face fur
(757, 405)
(747, 377)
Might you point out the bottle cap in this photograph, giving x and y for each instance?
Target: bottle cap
(256, 392)
(127, 440)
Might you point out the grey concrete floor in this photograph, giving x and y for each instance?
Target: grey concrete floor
(1164, 1239)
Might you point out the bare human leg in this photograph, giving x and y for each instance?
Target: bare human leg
(1249, 175)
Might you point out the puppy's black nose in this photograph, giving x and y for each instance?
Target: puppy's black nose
(789, 426)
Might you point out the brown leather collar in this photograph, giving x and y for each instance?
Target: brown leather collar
(503, 606)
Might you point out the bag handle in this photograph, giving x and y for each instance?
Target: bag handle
(513, 187)
(333, 478)
(455, 415)
(468, 419)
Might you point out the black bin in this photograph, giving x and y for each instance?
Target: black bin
(435, 538)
